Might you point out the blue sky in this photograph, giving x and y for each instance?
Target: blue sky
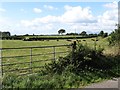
(49, 17)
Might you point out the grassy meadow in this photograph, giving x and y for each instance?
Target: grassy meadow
(53, 81)
(45, 58)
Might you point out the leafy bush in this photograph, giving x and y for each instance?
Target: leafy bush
(81, 59)
(75, 70)
(114, 37)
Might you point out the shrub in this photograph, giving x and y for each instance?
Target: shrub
(114, 37)
(79, 68)
(81, 59)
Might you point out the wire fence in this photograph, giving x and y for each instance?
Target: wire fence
(28, 60)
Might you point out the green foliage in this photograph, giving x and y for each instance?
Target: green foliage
(61, 31)
(79, 68)
(81, 59)
(102, 34)
(72, 34)
(65, 80)
(5, 34)
(9, 80)
(83, 33)
(105, 35)
(114, 38)
(87, 66)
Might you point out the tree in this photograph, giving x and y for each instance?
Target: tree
(105, 35)
(26, 35)
(101, 33)
(61, 31)
(5, 34)
(72, 34)
(0, 33)
(114, 38)
(92, 35)
(83, 33)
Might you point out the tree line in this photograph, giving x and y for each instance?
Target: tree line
(5, 34)
(84, 33)
(115, 36)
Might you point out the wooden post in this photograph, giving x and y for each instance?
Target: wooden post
(54, 52)
(74, 45)
(73, 50)
(30, 60)
(1, 67)
(95, 44)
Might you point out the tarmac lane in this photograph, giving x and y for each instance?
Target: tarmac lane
(113, 84)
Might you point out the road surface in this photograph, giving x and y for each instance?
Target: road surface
(112, 84)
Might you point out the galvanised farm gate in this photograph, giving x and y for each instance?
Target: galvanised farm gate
(28, 60)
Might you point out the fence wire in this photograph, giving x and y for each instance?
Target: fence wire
(28, 60)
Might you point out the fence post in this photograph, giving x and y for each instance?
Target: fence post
(54, 52)
(30, 60)
(95, 45)
(1, 69)
(73, 50)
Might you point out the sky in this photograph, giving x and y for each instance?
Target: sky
(48, 17)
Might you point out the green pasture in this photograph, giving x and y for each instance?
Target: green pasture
(22, 52)
(101, 43)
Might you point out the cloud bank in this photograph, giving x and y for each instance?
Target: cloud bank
(74, 18)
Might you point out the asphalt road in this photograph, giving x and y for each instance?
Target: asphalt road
(113, 83)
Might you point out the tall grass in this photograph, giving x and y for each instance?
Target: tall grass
(100, 44)
(87, 66)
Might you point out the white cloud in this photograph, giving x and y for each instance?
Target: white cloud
(37, 10)
(2, 10)
(109, 17)
(37, 28)
(5, 20)
(113, 5)
(48, 19)
(26, 23)
(74, 18)
(77, 15)
(50, 7)
(67, 7)
(7, 24)
(71, 15)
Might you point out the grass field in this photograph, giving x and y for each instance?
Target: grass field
(21, 52)
(101, 43)
(67, 79)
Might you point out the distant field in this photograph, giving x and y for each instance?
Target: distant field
(101, 43)
(21, 52)
(20, 43)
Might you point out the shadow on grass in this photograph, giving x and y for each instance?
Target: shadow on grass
(87, 66)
